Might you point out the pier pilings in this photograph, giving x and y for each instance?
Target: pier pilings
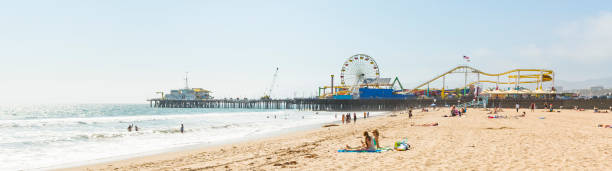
(368, 104)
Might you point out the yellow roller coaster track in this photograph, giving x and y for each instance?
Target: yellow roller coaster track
(545, 75)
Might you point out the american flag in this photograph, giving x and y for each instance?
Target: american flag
(467, 58)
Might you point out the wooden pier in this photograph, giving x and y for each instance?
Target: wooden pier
(367, 104)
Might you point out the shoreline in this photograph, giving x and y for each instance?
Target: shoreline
(197, 147)
(541, 140)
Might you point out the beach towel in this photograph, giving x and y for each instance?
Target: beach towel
(359, 151)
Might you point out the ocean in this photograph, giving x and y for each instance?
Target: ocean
(54, 136)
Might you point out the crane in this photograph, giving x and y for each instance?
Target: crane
(268, 92)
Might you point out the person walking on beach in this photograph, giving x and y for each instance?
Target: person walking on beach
(348, 118)
(354, 117)
(364, 115)
(532, 107)
(182, 128)
(369, 112)
(517, 107)
(343, 118)
(410, 113)
(550, 106)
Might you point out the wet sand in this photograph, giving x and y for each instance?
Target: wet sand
(568, 140)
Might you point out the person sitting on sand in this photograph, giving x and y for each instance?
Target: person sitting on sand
(367, 145)
(494, 111)
(595, 109)
(376, 139)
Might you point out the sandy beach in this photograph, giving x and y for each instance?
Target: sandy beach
(567, 140)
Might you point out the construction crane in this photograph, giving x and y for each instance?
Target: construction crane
(268, 92)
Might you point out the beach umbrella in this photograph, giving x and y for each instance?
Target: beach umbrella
(525, 91)
(540, 91)
(512, 92)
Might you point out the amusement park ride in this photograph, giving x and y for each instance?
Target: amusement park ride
(360, 79)
(516, 77)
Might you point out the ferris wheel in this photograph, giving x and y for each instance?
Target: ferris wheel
(357, 68)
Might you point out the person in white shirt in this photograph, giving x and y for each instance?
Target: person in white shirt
(517, 107)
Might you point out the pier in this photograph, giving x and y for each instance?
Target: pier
(369, 104)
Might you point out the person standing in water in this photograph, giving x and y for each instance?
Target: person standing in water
(182, 128)
(135, 128)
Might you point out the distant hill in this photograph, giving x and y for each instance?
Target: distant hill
(567, 85)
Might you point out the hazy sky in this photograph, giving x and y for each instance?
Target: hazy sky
(124, 51)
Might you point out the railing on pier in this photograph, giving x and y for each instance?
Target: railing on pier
(366, 104)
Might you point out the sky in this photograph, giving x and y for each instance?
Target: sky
(124, 51)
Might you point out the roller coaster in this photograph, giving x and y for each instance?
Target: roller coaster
(529, 76)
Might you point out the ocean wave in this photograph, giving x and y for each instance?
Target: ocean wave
(170, 131)
(110, 119)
